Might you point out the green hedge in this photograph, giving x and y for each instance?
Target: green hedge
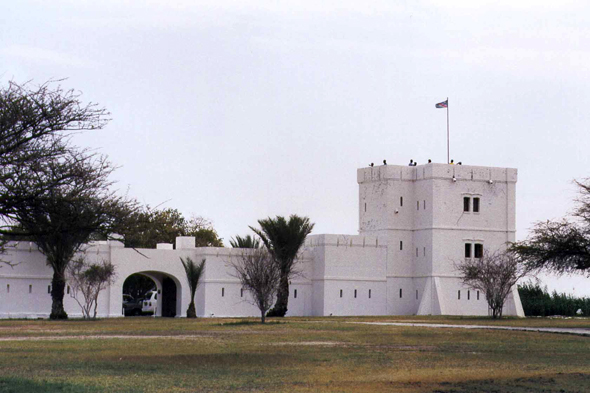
(536, 301)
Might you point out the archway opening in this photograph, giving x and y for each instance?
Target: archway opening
(151, 293)
(136, 288)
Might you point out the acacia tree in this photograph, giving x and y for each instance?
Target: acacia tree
(35, 122)
(260, 275)
(495, 274)
(88, 279)
(283, 240)
(194, 272)
(62, 218)
(561, 246)
(245, 242)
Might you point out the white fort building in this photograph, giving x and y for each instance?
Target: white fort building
(414, 224)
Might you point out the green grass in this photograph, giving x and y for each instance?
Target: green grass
(295, 354)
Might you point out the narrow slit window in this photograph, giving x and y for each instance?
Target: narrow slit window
(401, 201)
(355, 293)
(241, 292)
(416, 251)
(424, 251)
(365, 207)
(222, 292)
(424, 205)
(459, 294)
(295, 294)
(400, 293)
(467, 250)
(477, 295)
(30, 289)
(476, 205)
(466, 204)
(369, 293)
(468, 295)
(68, 289)
(7, 288)
(401, 245)
(341, 293)
(416, 294)
(478, 250)
(49, 289)
(417, 205)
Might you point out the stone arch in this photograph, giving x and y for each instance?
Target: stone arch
(169, 288)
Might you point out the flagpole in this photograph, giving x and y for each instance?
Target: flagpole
(448, 149)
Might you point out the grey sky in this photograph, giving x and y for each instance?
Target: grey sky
(239, 110)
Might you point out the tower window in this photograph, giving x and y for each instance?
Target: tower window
(477, 295)
(241, 292)
(68, 289)
(468, 295)
(295, 293)
(400, 293)
(416, 294)
(401, 201)
(424, 251)
(49, 289)
(416, 251)
(467, 250)
(476, 205)
(459, 294)
(222, 292)
(341, 293)
(30, 289)
(424, 205)
(417, 205)
(401, 245)
(478, 250)
(7, 288)
(466, 204)
(355, 293)
(365, 207)
(369, 293)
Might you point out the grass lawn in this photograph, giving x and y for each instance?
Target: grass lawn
(294, 354)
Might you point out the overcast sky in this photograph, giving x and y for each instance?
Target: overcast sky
(239, 110)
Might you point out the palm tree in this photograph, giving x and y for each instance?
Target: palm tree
(193, 275)
(245, 242)
(283, 239)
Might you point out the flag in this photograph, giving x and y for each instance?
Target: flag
(444, 104)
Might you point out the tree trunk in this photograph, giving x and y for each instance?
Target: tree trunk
(58, 284)
(262, 317)
(191, 312)
(280, 308)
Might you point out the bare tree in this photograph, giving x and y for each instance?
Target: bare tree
(260, 275)
(88, 280)
(495, 274)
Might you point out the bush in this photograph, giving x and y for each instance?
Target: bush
(536, 301)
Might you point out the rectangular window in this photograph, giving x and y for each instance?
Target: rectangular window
(424, 251)
(369, 293)
(466, 204)
(400, 293)
(30, 289)
(478, 250)
(49, 289)
(295, 294)
(401, 201)
(222, 292)
(417, 205)
(477, 295)
(365, 207)
(241, 292)
(467, 250)
(401, 245)
(7, 288)
(68, 289)
(468, 295)
(476, 205)
(341, 293)
(355, 293)
(459, 294)
(424, 205)
(416, 294)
